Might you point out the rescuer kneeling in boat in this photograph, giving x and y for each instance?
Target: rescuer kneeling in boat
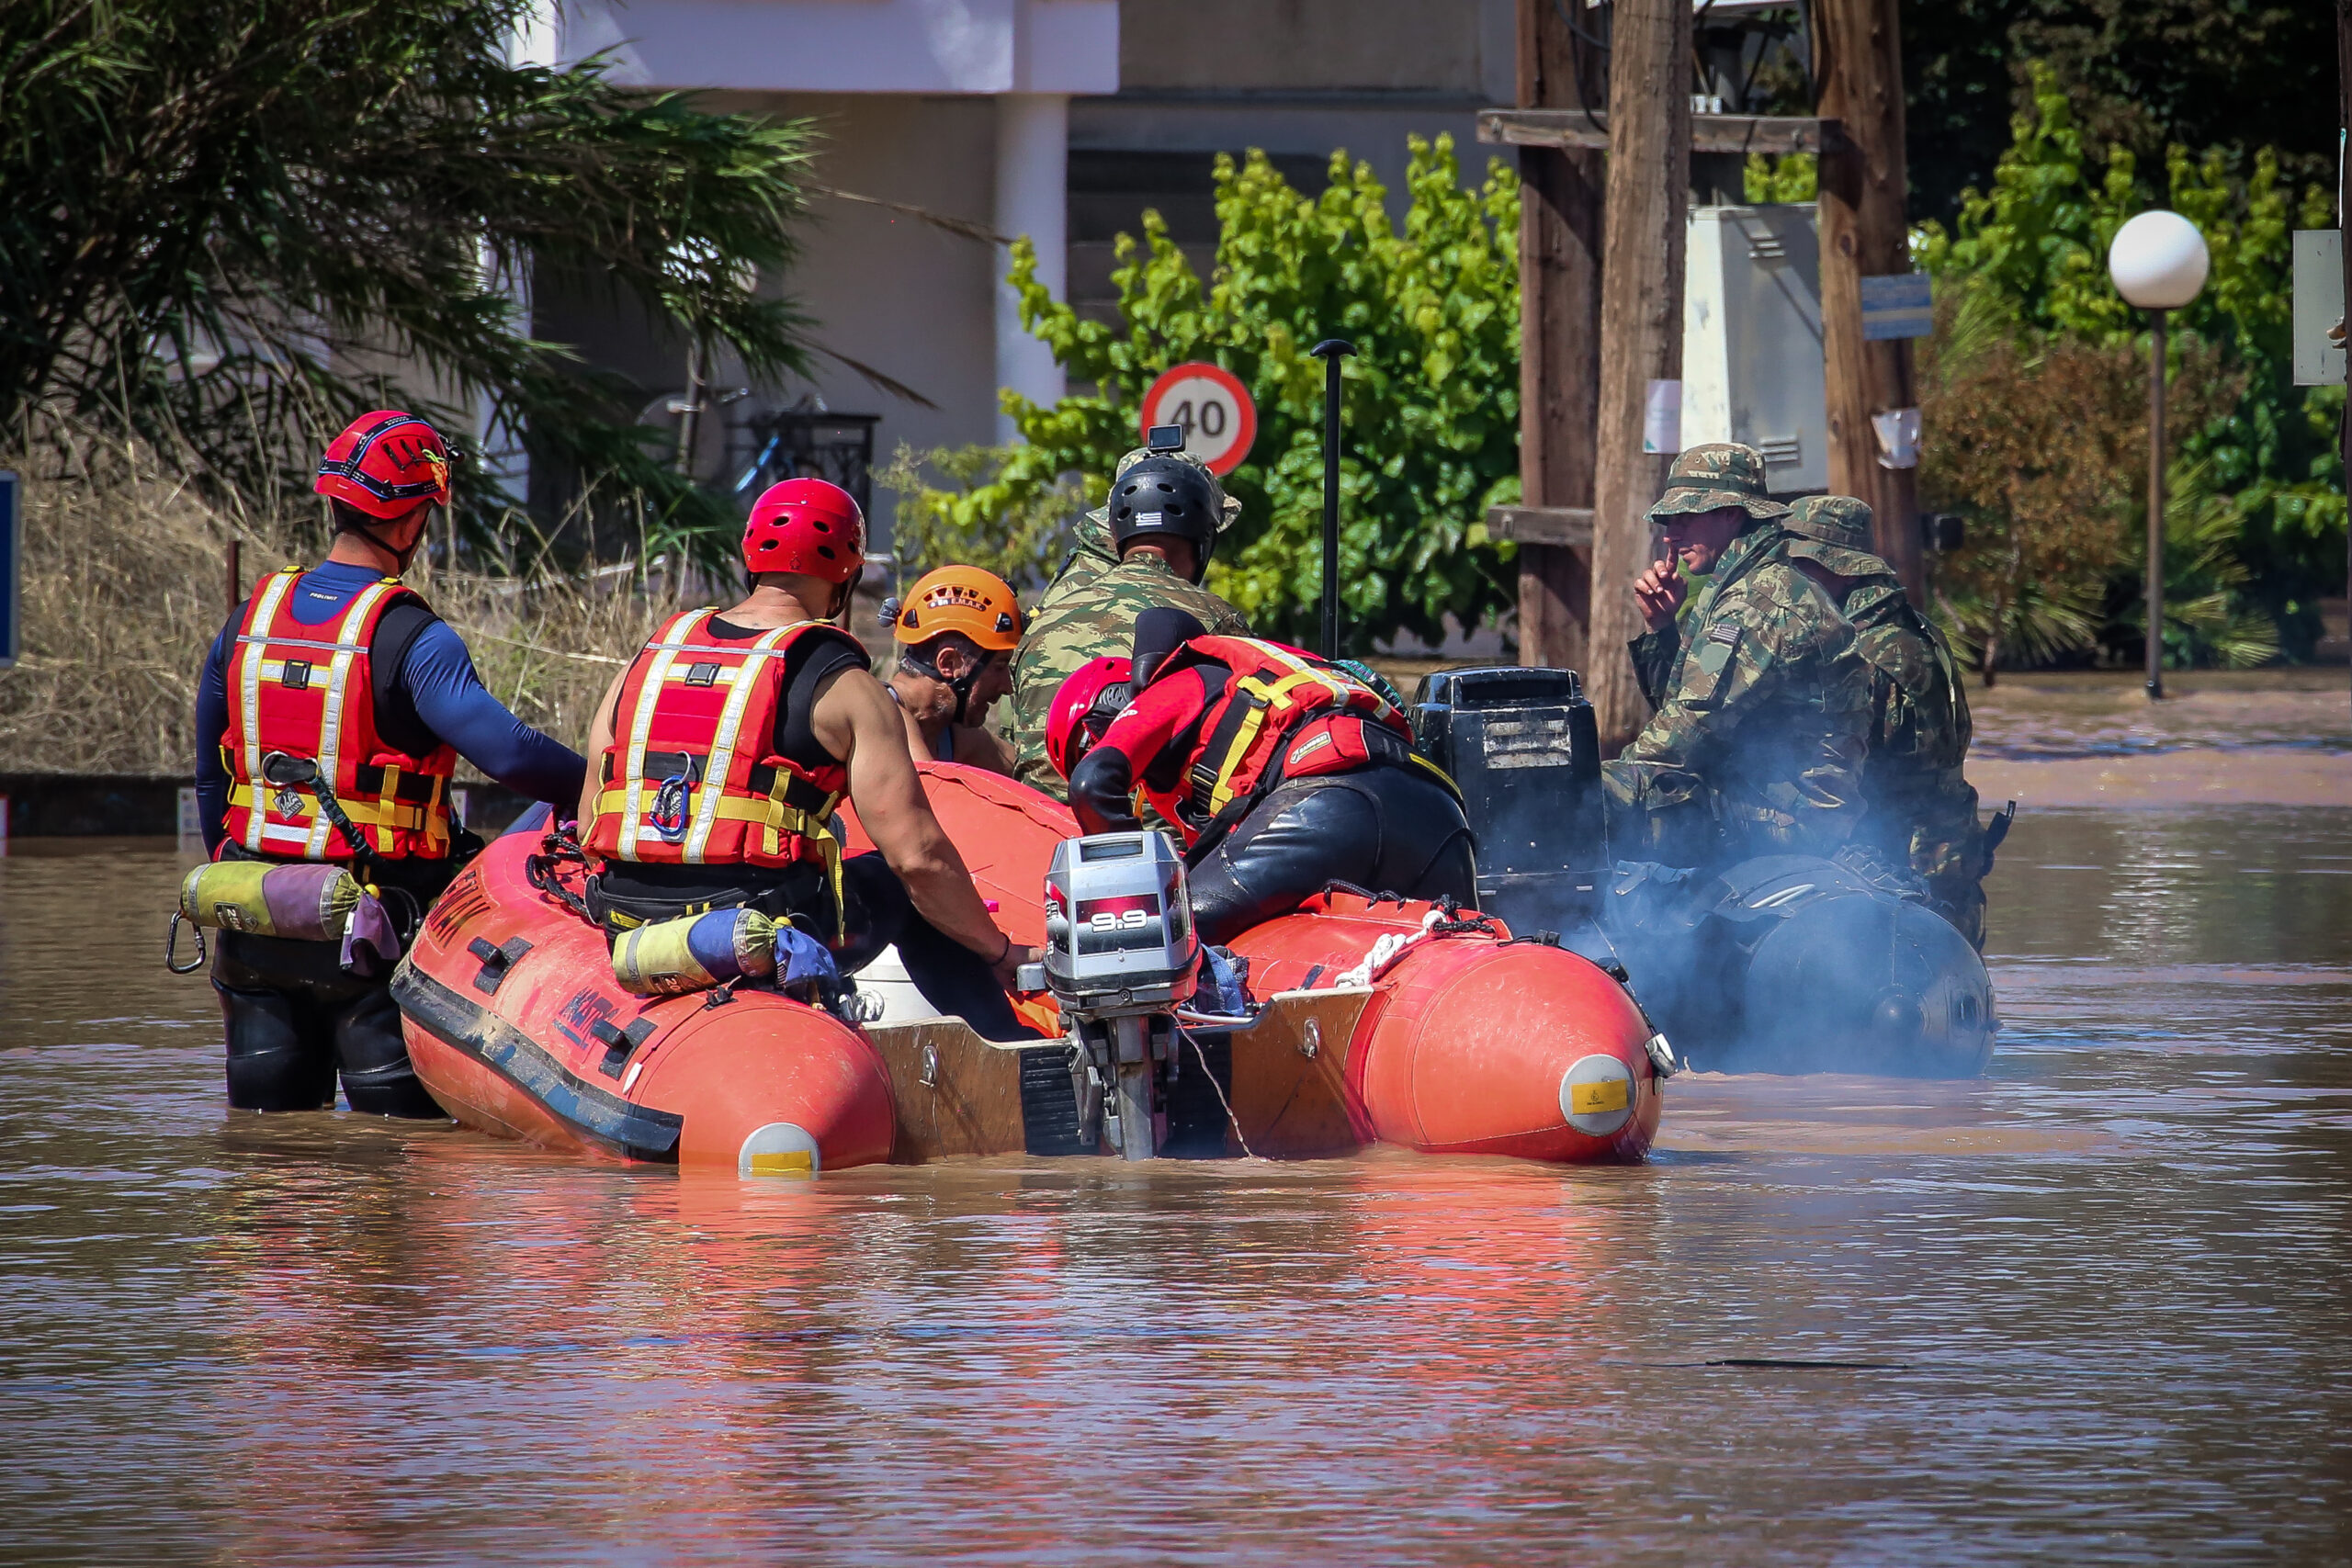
(330, 714)
(1284, 772)
(724, 746)
(1148, 548)
(957, 631)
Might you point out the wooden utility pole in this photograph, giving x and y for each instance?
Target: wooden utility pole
(2344, 227)
(1559, 338)
(1858, 73)
(1644, 226)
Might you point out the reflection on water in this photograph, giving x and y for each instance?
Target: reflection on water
(2101, 1295)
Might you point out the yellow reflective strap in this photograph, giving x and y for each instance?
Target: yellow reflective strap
(248, 689)
(330, 751)
(363, 813)
(641, 725)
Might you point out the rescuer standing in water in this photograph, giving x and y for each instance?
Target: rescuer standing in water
(1762, 714)
(725, 746)
(1922, 811)
(957, 631)
(1283, 774)
(339, 676)
(1147, 548)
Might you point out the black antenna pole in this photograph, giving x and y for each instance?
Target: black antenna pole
(1330, 351)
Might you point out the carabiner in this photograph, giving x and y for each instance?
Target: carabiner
(172, 940)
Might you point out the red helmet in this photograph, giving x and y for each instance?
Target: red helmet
(1084, 707)
(809, 526)
(384, 463)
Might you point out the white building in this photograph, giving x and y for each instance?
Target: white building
(1059, 120)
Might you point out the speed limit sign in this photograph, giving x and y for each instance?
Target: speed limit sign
(1211, 406)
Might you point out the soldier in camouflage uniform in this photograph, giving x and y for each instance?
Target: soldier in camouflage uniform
(1763, 712)
(1090, 611)
(1922, 811)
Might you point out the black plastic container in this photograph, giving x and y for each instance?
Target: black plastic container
(1522, 745)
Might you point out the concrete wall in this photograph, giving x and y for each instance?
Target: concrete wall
(1293, 46)
(909, 299)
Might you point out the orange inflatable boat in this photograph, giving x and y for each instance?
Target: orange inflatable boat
(1373, 1022)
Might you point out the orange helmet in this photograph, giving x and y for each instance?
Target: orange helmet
(979, 604)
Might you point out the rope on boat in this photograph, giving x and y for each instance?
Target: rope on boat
(1230, 1119)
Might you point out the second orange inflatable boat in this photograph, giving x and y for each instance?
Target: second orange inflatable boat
(1378, 1021)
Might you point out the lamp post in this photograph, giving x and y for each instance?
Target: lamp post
(2158, 262)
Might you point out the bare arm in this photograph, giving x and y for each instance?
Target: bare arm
(978, 748)
(600, 740)
(855, 720)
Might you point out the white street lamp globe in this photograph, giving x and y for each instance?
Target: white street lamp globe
(2158, 261)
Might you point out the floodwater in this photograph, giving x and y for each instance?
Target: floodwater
(2093, 1307)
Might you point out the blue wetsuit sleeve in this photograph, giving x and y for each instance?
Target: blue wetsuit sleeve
(211, 724)
(455, 704)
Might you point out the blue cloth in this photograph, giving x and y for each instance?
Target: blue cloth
(438, 675)
(799, 956)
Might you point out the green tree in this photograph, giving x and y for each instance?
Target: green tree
(223, 223)
(2138, 75)
(1431, 399)
(2256, 475)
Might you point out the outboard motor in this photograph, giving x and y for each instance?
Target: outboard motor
(1522, 745)
(1120, 958)
(1791, 964)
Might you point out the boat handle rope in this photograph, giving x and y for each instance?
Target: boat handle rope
(1230, 1119)
(556, 848)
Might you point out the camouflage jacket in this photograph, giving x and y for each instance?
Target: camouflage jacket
(1089, 612)
(1762, 721)
(1922, 807)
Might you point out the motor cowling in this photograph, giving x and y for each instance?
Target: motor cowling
(1522, 747)
(1120, 956)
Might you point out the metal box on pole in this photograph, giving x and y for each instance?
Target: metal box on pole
(1751, 340)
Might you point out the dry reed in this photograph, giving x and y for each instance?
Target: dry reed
(124, 587)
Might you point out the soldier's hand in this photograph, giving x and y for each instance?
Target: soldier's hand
(1659, 590)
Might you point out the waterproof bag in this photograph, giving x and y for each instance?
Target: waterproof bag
(695, 952)
(308, 902)
(304, 903)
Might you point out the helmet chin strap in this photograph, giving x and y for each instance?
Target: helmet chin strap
(400, 558)
(960, 684)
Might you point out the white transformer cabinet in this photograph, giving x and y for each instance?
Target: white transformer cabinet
(1751, 340)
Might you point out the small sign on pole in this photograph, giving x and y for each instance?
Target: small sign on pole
(1662, 417)
(11, 494)
(2319, 308)
(1897, 305)
(1214, 408)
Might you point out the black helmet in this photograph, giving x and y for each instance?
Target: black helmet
(1166, 496)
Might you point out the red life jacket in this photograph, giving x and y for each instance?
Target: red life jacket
(308, 692)
(693, 776)
(1285, 714)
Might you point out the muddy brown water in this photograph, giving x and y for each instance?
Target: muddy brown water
(2093, 1307)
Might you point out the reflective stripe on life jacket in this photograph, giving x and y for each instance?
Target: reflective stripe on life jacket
(308, 692)
(1284, 713)
(693, 776)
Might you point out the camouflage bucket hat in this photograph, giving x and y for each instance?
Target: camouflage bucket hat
(1719, 474)
(1228, 508)
(1835, 531)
